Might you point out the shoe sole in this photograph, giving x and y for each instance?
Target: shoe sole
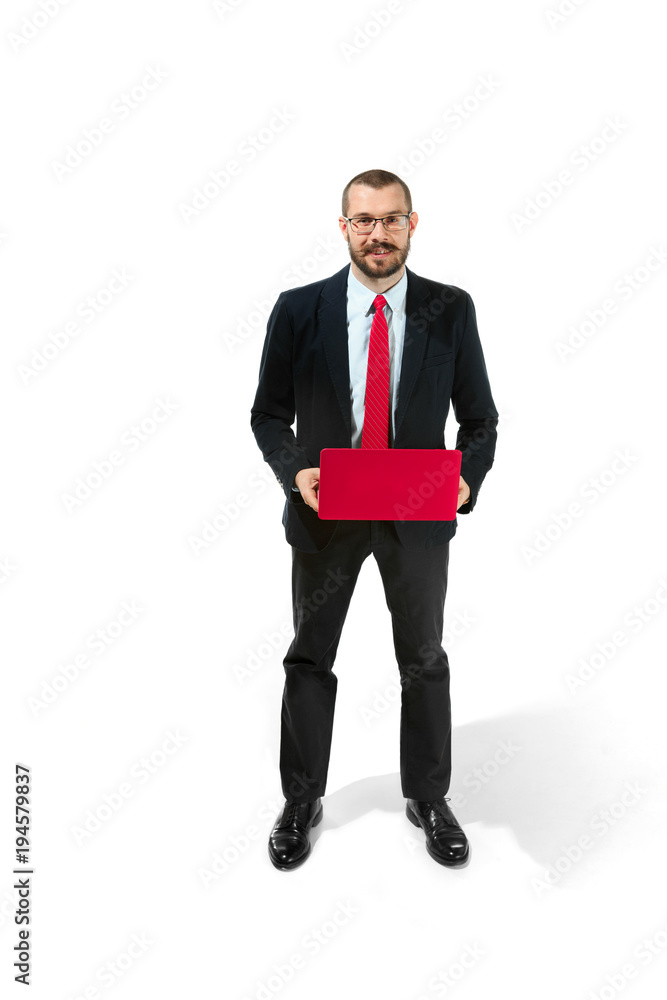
(448, 864)
(297, 864)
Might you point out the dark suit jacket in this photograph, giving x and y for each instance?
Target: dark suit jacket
(304, 370)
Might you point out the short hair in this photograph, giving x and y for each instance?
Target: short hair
(376, 179)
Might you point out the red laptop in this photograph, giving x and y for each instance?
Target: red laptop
(389, 484)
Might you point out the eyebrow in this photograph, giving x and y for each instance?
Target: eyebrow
(367, 215)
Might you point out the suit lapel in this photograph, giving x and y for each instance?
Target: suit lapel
(332, 325)
(414, 344)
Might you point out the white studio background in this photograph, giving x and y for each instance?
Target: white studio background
(143, 671)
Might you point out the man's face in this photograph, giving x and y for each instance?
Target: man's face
(378, 254)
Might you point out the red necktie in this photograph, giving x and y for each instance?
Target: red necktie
(375, 431)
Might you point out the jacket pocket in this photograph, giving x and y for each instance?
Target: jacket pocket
(437, 359)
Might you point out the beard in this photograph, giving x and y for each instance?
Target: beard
(382, 268)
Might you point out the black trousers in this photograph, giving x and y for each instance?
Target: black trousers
(415, 585)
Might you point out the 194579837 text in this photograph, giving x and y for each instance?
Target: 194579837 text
(22, 885)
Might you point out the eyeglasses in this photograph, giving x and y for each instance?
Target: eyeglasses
(366, 225)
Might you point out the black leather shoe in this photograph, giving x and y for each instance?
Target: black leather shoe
(289, 842)
(445, 840)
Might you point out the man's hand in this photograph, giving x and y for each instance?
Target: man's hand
(464, 492)
(308, 481)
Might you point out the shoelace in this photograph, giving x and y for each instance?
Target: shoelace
(291, 813)
(435, 807)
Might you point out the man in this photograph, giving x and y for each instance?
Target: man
(326, 343)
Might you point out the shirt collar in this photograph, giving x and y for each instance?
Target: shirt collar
(364, 297)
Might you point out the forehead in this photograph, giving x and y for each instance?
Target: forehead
(384, 201)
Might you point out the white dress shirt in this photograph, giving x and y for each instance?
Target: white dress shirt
(359, 320)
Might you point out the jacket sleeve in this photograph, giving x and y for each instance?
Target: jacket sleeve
(474, 409)
(273, 410)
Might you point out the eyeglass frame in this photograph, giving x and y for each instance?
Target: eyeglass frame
(402, 215)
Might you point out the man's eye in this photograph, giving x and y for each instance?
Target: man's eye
(363, 222)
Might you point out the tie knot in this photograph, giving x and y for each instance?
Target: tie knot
(379, 302)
